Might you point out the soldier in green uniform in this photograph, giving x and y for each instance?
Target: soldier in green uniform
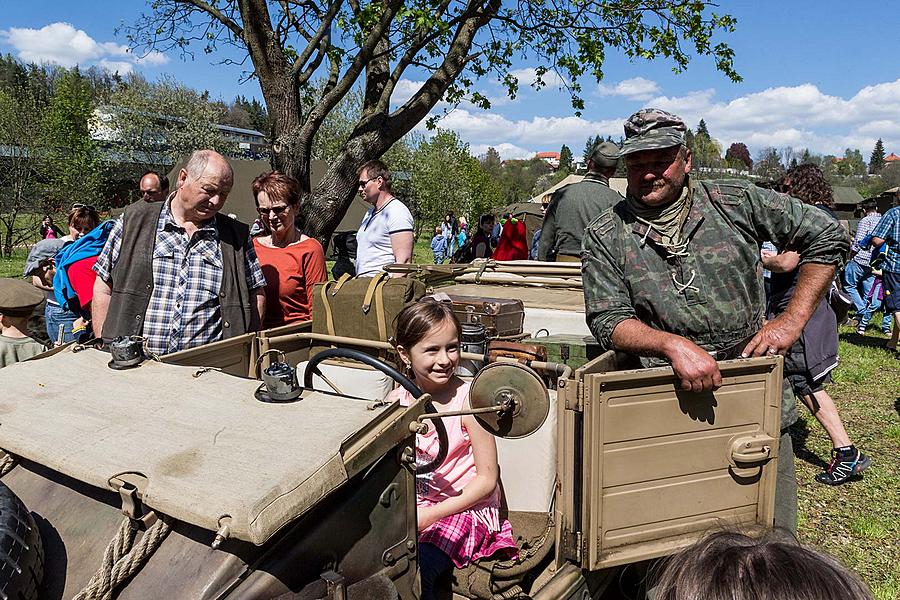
(673, 273)
(574, 206)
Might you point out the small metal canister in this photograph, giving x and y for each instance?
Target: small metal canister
(281, 382)
(126, 352)
(472, 339)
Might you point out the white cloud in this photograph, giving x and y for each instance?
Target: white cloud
(116, 66)
(506, 150)
(62, 44)
(491, 128)
(636, 88)
(800, 116)
(528, 76)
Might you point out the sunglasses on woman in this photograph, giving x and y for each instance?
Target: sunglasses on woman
(277, 210)
(78, 205)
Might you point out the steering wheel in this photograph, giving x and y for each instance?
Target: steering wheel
(312, 367)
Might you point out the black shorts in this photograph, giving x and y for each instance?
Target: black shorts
(803, 385)
(891, 291)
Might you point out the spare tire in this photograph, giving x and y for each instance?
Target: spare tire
(21, 552)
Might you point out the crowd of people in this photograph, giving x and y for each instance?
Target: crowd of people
(672, 273)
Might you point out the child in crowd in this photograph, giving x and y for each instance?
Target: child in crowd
(439, 245)
(458, 503)
(733, 566)
(17, 301)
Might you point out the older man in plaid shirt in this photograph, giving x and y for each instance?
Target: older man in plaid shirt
(179, 273)
(888, 230)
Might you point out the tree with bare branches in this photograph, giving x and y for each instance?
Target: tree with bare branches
(438, 50)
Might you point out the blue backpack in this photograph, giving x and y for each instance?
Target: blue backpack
(90, 244)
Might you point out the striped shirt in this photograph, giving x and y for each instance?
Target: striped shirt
(865, 227)
(888, 229)
(184, 309)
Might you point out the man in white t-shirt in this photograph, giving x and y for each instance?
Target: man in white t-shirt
(385, 235)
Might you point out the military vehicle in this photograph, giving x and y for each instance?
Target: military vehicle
(214, 474)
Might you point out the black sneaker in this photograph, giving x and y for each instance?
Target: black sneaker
(842, 468)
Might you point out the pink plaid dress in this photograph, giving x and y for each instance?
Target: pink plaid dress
(477, 532)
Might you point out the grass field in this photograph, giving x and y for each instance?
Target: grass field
(858, 522)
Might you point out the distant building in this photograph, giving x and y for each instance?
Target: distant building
(551, 158)
(891, 157)
(250, 143)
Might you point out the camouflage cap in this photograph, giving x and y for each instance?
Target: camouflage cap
(18, 298)
(605, 155)
(652, 129)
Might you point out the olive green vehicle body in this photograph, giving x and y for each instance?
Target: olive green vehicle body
(629, 467)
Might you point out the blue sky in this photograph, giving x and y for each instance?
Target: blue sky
(823, 75)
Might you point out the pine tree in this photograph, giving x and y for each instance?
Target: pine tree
(589, 146)
(701, 128)
(565, 159)
(876, 161)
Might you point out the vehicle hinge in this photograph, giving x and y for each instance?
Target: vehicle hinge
(573, 543)
(575, 398)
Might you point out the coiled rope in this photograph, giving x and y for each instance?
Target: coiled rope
(123, 558)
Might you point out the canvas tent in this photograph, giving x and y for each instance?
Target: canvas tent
(618, 184)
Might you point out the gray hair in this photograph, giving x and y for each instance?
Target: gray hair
(197, 163)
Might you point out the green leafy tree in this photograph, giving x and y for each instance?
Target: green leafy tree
(876, 160)
(450, 46)
(70, 159)
(156, 123)
(707, 152)
(444, 176)
(565, 159)
(20, 137)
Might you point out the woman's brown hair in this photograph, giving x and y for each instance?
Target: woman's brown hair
(807, 183)
(278, 187)
(83, 218)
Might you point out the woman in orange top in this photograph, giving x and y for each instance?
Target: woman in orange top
(291, 261)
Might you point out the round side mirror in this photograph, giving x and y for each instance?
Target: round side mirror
(518, 393)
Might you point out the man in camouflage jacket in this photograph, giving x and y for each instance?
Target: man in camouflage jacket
(673, 273)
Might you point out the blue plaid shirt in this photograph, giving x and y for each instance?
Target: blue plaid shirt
(888, 229)
(184, 309)
(865, 227)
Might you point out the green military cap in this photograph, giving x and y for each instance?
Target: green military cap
(18, 298)
(652, 129)
(605, 155)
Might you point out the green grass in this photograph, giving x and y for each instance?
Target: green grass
(858, 522)
(11, 266)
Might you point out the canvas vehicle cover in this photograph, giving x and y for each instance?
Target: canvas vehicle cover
(207, 447)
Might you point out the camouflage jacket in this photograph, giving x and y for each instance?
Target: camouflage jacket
(571, 209)
(713, 295)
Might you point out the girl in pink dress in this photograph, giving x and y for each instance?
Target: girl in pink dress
(459, 502)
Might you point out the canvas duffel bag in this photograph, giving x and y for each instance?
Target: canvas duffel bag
(362, 307)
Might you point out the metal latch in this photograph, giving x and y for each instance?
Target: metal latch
(335, 586)
(132, 506)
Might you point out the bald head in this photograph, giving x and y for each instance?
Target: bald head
(203, 186)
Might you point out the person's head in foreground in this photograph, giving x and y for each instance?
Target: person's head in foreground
(656, 156)
(774, 566)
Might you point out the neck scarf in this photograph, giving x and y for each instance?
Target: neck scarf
(666, 220)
